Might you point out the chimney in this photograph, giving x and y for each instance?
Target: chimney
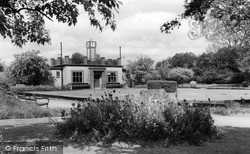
(66, 60)
(109, 61)
(114, 62)
(102, 60)
(85, 60)
(119, 62)
(58, 60)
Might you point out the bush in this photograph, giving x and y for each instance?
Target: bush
(23, 88)
(192, 125)
(140, 86)
(110, 119)
(193, 84)
(113, 85)
(169, 86)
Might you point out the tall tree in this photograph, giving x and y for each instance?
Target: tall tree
(24, 20)
(187, 60)
(233, 13)
(31, 69)
(139, 70)
(77, 58)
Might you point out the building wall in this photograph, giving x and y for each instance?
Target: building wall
(67, 74)
(119, 72)
(57, 79)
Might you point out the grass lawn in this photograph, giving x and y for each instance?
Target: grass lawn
(183, 93)
(235, 140)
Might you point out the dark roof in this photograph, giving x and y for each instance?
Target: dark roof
(57, 67)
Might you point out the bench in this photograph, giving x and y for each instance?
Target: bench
(37, 99)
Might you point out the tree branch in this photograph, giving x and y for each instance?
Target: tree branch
(29, 9)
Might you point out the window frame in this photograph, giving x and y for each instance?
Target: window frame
(77, 76)
(116, 77)
(58, 74)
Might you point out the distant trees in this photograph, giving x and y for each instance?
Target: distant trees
(186, 60)
(140, 71)
(181, 75)
(31, 69)
(77, 58)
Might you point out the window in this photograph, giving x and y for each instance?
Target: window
(57, 74)
(112, 77)
(77, 77)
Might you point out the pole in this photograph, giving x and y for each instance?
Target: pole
(61, 66)
(120, 52)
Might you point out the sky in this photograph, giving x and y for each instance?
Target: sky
(138, 34)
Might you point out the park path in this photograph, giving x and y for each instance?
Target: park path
(240, 120)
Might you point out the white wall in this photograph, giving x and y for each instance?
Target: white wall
(57, 80)
(67, 72)
(118, 70)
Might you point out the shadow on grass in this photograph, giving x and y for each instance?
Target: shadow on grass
(234, 140)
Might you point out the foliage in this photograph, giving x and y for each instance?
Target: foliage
(113, 85)
(181, 75)
(12, 108)
(186, 60)
(230, 12)
(110, 119)
(77, 58)
(23, 88)
(191, 125)
(24, 20)
(140, 86)
(31, 69)
(139, 71)
(168, 86)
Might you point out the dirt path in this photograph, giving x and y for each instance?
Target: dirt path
(30, 130)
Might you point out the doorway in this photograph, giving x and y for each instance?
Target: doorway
(97, 79)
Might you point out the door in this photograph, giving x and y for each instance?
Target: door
(97, 78)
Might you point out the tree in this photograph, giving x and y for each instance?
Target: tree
(24, 20)
(77, 58)
(181, 75)
(187, 60)
(138, 71)
(31, 69)
(233, 13)
(163, 67)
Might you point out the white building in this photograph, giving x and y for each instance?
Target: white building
(94, 72)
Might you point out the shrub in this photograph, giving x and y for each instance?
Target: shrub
(169, 86)
(191, 125)
(140, 86)
(193, 84)
(17, 89)
(113, 85)
(109, 119)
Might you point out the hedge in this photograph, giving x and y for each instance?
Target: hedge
(168, 86)
(113, 85)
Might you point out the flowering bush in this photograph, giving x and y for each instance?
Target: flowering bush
(110, 118)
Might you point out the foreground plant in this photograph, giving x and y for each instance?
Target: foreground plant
(110, 119)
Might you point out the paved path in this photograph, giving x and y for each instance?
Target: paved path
(233, 121)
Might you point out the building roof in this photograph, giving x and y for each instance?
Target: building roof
(58, 67)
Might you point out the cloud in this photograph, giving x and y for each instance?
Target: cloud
(138, 32)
